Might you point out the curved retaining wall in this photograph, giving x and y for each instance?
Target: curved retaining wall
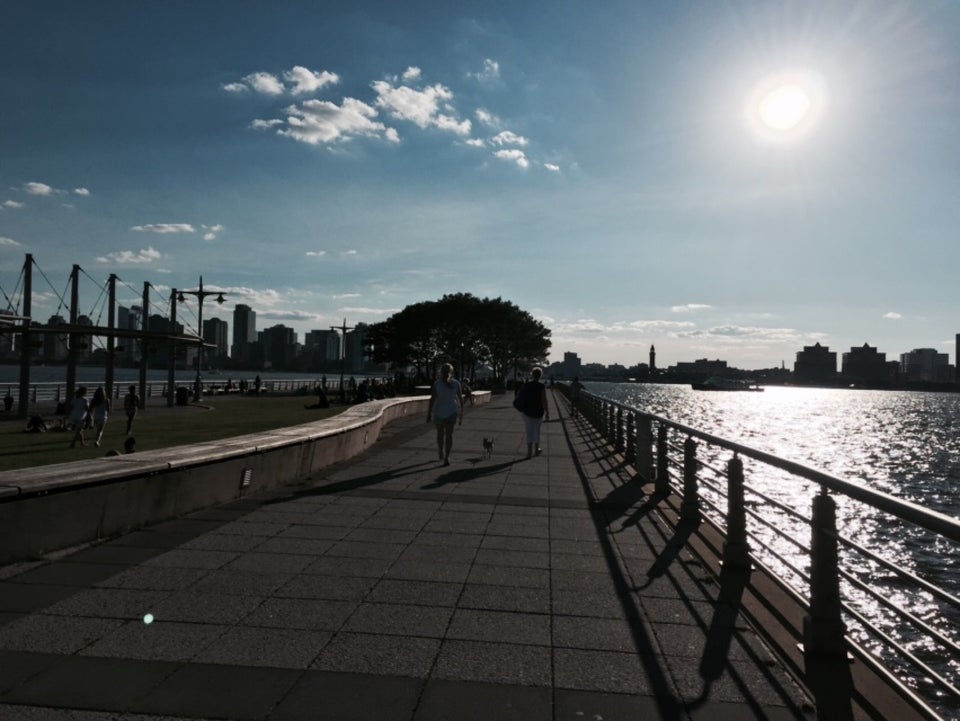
(51, 507)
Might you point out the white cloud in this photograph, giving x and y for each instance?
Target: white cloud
(410, 74)
(489, 73)
(7, 241)
(264, 83)
(508, 138)
(308, 81)
(12, 204)
(129, 257)
(164, 228)
(81, 191)
(690, 308)
(487, 118)
(320, 121)
(316, 253)
(551, 167)
(476, 142)
(421, 107)
(235, 88)
(38, 189)
(212, 231)
(266, 124)
(349, 252)
(892, 316)
(515, 155)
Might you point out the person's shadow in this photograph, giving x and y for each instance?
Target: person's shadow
(462, 475)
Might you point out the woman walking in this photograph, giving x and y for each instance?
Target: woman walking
(78, 416)
(446, 405)
(531, 401)
(99, 408)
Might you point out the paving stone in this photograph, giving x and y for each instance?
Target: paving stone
(379, 654)
(157, 641)
(91, 683)
(326, 587)
(324, 696)
(108, 603)
(400, 619)
(500, 626)
(466, 701)
(298, 613)
(505, 598)
(272, 647)
(220, 692)
(424, 593)
(493, 663)
(200, 607)
(607, 671)
(55, 634)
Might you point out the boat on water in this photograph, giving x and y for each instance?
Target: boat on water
(717, 383)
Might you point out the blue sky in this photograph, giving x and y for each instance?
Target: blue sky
(721, 179)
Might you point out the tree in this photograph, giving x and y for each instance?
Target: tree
(464, 330)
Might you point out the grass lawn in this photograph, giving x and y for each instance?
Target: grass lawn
(160, 427)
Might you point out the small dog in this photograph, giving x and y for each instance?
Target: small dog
(487, 447)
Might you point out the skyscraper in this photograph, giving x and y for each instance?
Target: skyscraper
(244, 333)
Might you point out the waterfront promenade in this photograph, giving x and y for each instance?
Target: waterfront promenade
(394, 588)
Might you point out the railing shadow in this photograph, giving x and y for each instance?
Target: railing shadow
(720, 630)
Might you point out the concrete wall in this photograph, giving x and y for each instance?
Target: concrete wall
(52, 507)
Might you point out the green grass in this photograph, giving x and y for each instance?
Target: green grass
(160, 427)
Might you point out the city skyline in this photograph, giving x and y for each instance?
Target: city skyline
(728, 180)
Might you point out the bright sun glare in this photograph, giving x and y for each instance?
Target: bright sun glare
(786, 107)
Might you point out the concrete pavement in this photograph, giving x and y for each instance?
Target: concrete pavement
(393, 588)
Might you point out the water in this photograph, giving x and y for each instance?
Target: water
(903, 443)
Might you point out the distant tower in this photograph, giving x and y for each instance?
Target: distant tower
(653, 358)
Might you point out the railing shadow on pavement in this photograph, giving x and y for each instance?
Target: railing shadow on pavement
(721, 629)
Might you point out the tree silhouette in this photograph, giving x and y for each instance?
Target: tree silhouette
(464, 330)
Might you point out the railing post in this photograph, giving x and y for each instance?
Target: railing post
(824, 643)
(736, 550)
(645, 449)
(663, 462)
(690, 506)
(618, 429)
(630, 437)
(823, 627)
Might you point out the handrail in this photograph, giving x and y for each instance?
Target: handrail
(832, 588)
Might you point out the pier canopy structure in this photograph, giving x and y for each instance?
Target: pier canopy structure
(26, 334)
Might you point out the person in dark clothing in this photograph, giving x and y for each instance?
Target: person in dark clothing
(532, 403)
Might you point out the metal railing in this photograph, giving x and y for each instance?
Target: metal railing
(854, 577)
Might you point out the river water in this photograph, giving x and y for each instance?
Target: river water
(904, 443)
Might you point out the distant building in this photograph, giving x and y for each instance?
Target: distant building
(215, 332)
(55, 344)
(279, 346)
(865, 365)
(925, 364)
(354, 349)
(653, 359)
(815, 364)
(572, 365)
(242, 350)
(701, 367)
(323, 349)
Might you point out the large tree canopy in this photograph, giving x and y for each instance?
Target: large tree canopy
(463, 330)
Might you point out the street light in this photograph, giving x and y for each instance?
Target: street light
(200, 294)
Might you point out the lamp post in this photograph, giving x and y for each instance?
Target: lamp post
(343, 356)
(200, 294)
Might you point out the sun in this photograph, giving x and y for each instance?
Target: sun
(786, 107)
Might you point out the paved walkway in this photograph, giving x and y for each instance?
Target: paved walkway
(393, 588)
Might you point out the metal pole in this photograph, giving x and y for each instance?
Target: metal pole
(198, 383)
(663, 462)
(72, 337)
(25, 339)
(172, 363)
(111, 339)
(143, 344)
(736, 551)
(690, 506)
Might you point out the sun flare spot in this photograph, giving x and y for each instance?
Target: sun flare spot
(786, 107)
